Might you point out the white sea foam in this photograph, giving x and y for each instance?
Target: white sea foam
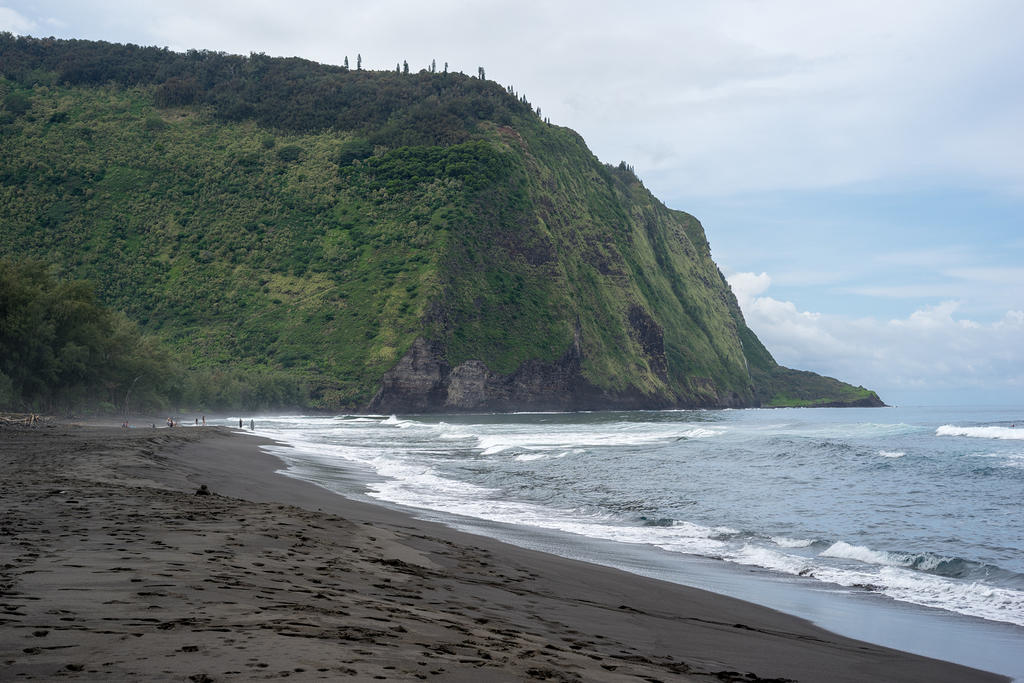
(1010, 459)
(899, 583)
(450, 432)
(409, 485)
(1015, 460)
(759, 556)
(529, 457)
(494, 443)
(832, 431)
(970, 598)
(395, 421)
(411, 460)
(784, 542)
(700, 433)
(919, 561)
(981, 432)
(860, 553)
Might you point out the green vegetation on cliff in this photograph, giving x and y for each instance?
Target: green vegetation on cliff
(61, 351)
(311, 222)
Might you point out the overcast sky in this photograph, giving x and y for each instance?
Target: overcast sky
(858, 166)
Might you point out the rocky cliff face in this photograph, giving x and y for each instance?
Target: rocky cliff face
(423, 381)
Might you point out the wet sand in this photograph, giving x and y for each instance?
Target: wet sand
(112, 568)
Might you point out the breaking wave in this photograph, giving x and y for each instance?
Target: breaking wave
(637, 480)
(991, 432)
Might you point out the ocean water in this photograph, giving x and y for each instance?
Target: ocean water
(919, 507)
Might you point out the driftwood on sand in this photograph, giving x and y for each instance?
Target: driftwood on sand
(23, 420)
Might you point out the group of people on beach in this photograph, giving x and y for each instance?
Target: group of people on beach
(171, 422)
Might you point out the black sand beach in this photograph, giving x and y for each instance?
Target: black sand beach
(111, 568)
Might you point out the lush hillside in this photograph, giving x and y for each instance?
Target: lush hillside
(63, 352)
(397, 241)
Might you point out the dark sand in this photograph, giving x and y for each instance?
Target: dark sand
(112, 569)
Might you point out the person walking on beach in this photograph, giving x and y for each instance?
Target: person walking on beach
(204, 420)
(239, 423)
(252, 424)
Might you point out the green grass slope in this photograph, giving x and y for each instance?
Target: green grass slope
(316, 222)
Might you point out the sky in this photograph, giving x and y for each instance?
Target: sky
(858, 166)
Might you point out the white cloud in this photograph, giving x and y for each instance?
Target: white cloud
(13, 22)
(932, 354)
(702, 98)
(989, 291)
(754, 97)
(746, 286)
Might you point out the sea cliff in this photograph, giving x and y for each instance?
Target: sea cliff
(391, 241)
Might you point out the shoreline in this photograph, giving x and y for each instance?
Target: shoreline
(127, 573)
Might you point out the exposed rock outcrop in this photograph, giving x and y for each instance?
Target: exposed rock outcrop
(423, 381)
(651, 338)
